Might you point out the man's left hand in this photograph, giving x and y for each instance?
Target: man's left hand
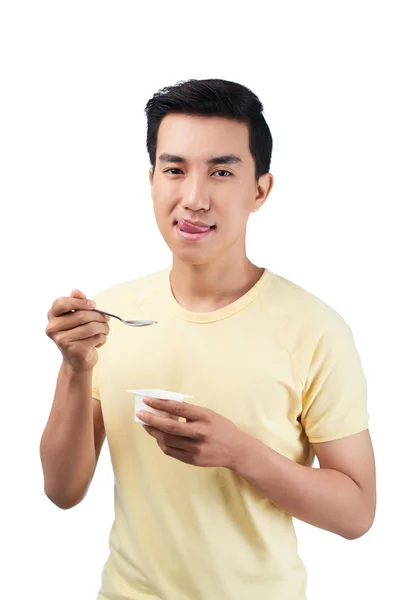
(206, 439)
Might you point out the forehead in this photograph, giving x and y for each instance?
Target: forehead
(202, 137)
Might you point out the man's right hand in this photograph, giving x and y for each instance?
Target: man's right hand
(77, 330)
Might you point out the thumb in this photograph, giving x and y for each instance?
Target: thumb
(78, 294)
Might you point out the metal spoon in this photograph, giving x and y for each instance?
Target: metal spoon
(130, 323)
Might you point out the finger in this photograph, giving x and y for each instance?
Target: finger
(75, 319)
(65, 305)
(78, 294)
(99, 341)
(172, 441)
(95, 341)
(154, 433)
(81, 333)
(188, 430)
(174, 447)
(179, 409)
(181, 455)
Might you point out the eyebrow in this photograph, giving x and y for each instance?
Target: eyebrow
(226, 159)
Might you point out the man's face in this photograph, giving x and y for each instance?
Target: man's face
(204, 186)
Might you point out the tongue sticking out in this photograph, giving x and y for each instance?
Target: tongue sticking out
(190, 228)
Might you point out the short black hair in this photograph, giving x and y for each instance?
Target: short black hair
(212, 98)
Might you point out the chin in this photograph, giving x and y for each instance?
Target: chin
(191, 257)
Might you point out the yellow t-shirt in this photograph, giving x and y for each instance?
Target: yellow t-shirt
(279, 363)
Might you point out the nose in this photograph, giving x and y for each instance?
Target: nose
(196, 196)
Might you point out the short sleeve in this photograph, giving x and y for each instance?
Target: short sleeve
(335, 391)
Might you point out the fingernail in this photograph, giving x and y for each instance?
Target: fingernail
(139, 414)
(91, 303)
(146, 401)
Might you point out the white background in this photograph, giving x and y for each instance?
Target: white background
(76, 212)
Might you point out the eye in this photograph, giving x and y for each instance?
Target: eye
(226, 173)
(177, 171)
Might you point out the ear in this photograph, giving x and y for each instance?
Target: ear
(151, 175)
(264, 187)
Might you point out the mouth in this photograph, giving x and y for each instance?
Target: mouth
(193, 230)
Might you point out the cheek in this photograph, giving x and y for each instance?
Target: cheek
(235, 216)
(163, 206)
(164, 198)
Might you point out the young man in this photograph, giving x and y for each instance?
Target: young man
(204, 503)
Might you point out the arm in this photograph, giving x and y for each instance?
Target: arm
(72, 440)
(74, 434)
(339, 496)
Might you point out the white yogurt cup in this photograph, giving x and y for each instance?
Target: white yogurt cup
(154, 393)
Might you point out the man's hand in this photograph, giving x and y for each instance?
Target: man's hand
(77, 330)
(206, 439)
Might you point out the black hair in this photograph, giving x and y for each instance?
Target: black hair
(213, 98)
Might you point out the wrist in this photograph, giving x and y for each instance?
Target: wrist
(75, 373)
(243, 449)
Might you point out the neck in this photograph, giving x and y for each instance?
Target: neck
(208, 287)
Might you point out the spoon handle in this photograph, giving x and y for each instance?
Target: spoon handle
(103, 312)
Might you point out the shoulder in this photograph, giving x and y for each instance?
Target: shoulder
(295, 303)
(301, 320)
